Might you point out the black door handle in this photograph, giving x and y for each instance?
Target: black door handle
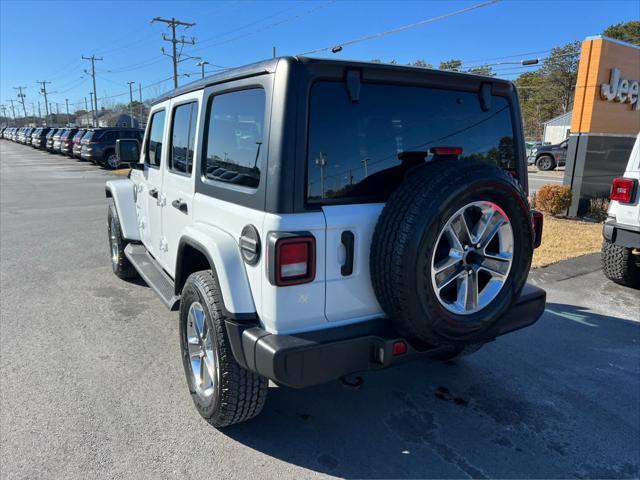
(154, 193)
(348, 242)
(180, 205)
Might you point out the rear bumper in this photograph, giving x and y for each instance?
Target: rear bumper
(622, 235)
(309, 359)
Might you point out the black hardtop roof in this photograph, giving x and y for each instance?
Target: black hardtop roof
(269, 66)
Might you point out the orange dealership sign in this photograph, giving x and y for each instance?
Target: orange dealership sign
(607, 97)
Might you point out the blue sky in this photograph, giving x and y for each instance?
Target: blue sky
(44, 40)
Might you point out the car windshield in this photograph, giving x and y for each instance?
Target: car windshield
(88, 136)
(361, 151)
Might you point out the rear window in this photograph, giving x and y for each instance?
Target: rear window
(361, 151)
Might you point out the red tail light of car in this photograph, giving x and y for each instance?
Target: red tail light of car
(295, 259)
(622, 190)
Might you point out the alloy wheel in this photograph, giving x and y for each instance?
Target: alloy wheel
(472, 258)
(202, 358)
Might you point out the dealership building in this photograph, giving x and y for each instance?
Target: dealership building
(605, 119)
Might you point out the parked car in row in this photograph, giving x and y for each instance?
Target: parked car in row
(548, 157)
(39, 138)
(76, 142)
(66, 141)
(99, 145)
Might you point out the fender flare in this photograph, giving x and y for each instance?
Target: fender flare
(223, 254)
(121, 191)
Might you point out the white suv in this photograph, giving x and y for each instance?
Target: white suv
(621, 231)
(314, 218)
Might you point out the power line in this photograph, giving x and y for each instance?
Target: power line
(338, 47)
(173, 23)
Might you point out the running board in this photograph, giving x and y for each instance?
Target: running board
(152, 273)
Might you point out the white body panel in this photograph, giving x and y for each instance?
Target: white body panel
(122, 194)
(629, 213)
(222, 249)
(150, 208)
(350, 297)
(176, 187)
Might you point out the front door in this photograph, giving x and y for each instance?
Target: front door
(149, 197)
(178, 181)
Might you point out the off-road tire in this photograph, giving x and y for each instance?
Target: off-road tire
(120, 265)
(405, 237)
(620, 265)
(240, 394)
(545, 163)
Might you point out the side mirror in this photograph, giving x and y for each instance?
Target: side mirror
(128, 151)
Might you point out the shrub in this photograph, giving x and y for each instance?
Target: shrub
(598, 207)
(553, 199)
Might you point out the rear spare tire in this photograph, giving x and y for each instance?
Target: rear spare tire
(451, 251)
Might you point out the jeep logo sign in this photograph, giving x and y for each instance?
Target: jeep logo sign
(621, 90)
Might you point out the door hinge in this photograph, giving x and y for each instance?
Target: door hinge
(164, 245)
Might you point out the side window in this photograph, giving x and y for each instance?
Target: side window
(183, 137)
(109, 136)
(154, 143)
(233, 151)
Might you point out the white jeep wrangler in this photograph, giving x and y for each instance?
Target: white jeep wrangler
(621, 231)
(315, 218)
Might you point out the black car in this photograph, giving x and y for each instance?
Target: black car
(99, 145)
(548, 157)
(39, 138)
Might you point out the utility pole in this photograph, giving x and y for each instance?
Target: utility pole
(39, 111)
(366, 167)
(33, 109)
(131, 101)
(274, 52)
(66, 100)
(93, 112)
(4, 114)
(93, 60)
(43, 90)
(321, 161)
(57, 109)
(173, 23)
(202, 64)
(13, 110)
(22, 96)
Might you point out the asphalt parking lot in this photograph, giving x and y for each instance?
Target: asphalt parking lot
(92, 386)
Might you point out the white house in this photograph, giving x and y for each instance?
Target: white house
(557, 129)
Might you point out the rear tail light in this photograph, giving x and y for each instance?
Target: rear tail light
(622, 190)
(537, 221)
(294, 260)
(399, 348)
(442, 151)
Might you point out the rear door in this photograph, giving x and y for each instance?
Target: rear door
(178, 181)
(359, 152)
(149, 199)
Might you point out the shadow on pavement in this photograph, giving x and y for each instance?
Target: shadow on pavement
(556, 400)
